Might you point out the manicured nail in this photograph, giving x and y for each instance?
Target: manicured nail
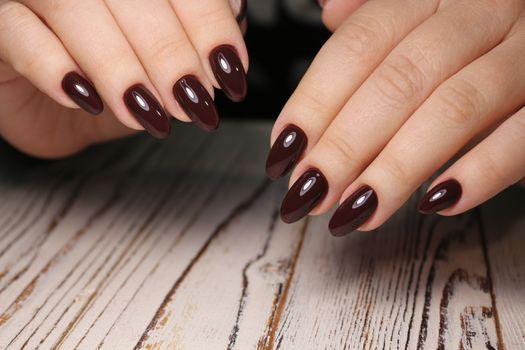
(242, 11)
(286, 151)
(82, 92)
(353, 212)
(305, 194)
(229, 72)
(441, 197)
(196, 102)
(148, 111)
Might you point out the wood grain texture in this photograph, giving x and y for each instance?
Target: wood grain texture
(142, 244)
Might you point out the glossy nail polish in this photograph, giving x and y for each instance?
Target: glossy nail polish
(229, 72)
(83, 93)
(148, 111)
(196, 102)
(305, 194)
(441, 197)
(353, 212)
(242, 11)
(286, 151)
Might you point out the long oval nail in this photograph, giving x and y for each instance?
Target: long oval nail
(147, 110)
(304, 195)
(440, 197)
(354, 212)
(229, 72)
(196, 102)
(286, 151)
(83, 93)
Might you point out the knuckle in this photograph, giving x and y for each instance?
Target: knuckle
(460, 104)
(362, 35)
(213, 20)
(11, 14)
(340, 147)
(400, 79)
(396, 170)
(490, 168)
(168, 47)
(53, 9)
(500, 14)
(520, 125)
(311, 99)
(516, 127)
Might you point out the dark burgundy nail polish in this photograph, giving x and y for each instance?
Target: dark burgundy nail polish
(441, 197)
(354, 212)
(148, 111)
(243, 8)
(305, 194)
(82, 92)
(286, 151)
(196, 102)
(229, 72)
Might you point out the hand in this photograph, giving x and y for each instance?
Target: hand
(146, 60)
(399, 89)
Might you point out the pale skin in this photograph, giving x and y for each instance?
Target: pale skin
(395, 74)
(403, 86)
(42, 40)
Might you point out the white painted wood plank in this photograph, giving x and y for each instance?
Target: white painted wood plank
(176, 244)
(504, 223)
(408, 285)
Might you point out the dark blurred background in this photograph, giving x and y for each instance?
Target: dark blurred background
(283, 37)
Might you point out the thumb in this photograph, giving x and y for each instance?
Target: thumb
(335, 12)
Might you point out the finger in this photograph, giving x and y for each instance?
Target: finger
(434, 51)
(240, 9)
(341, 66)
(471, 101)
(108, 59)
(495, 164)
(335, 12)
(172, 64)
(44, 129)
(216, 36)
(23, 39)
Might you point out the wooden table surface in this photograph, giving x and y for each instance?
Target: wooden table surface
(142, 244)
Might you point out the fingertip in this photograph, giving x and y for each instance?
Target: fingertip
(335, 12)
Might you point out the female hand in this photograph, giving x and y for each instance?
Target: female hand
(146, 60)
(399, 89)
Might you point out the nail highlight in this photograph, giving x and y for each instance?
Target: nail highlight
(286, 152)
(196, 102)
(441, 197)
(354, 212)
(148, 111)
(304, 195)
(229, 72)
(82, 92)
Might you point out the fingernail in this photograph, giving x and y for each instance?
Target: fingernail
(196, 102)
(242, 11)
(286, 151)
(148, 111)
(353, 212)
(82, 92)
(321, 3)
(304, 196)
(229, 72)
(441, 197)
